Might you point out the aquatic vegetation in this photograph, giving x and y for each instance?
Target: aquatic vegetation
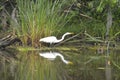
(38, 19)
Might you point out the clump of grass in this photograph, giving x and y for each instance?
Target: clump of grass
(38, 18)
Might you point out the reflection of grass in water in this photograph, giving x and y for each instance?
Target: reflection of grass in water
(7, 65)
(33, 67)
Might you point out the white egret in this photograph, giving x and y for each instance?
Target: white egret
(53, 55)
(53, 39)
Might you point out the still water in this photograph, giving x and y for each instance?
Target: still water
(84, 64)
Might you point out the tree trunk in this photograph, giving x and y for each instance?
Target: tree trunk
(109, 22)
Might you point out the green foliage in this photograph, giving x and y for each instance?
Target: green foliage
(103, 3)
(39, 18)
(91, 16)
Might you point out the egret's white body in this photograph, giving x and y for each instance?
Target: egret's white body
(53, 39)
(53, 55)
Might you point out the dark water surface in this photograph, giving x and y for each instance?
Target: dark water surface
(87, 65)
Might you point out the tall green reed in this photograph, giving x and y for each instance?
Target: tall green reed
(38, 18)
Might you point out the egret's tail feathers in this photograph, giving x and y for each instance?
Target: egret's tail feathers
(41, 40)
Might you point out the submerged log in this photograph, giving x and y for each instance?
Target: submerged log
(8, 40)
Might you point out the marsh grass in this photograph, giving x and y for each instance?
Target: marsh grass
(38, 18)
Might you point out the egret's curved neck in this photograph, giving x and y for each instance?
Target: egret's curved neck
(61, 56)
(62, 38)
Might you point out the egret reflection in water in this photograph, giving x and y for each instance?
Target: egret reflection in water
(52, 55)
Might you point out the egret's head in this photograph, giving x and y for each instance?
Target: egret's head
(67, 33)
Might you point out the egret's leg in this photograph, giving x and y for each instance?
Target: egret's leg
(51, 45)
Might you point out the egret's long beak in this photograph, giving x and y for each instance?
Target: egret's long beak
(71, 63)
(71, 32)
